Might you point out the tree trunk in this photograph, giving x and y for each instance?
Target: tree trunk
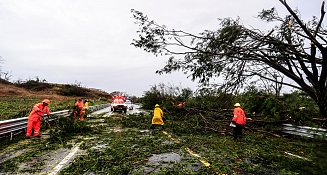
(322, 103)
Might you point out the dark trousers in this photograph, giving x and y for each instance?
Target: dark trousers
(156, 126)
(237, 133)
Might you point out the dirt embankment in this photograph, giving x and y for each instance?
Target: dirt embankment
(53, 91)
(12, 90)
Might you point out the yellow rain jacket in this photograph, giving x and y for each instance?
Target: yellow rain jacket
(86, 105)
(157, 116)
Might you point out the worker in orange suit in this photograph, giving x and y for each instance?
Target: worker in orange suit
(239, 120)
(180, 104)
(79, 110)
(158, 118)
(34, 119)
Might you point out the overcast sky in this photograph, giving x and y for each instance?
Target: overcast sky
(88, 41)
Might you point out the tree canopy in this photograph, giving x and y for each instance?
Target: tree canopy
(293, 48)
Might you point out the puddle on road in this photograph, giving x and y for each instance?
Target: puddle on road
(167, 161)
(194, 166)
(165, 158)
(158, 161)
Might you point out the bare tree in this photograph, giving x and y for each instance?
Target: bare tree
(272, 87)
(293, 48)
(4, 75)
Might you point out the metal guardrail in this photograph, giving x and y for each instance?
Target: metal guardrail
(12, 127)
(305, 131)
(98, 107)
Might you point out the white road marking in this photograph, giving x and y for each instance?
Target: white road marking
(66, 160)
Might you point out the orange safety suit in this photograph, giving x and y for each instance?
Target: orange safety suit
(157, 116)
(34, 119)
(239, 116)
(80, 110)
(181, 104)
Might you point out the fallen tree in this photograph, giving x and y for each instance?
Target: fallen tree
(292, 49)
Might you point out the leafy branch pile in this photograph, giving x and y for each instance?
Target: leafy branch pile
(216, 106)
(65, 127)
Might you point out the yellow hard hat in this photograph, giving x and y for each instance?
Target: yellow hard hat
(156, 105)
(237, 105)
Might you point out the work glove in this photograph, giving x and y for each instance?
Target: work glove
(232, 124)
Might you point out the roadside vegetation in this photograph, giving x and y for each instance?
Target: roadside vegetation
(16, 107)
(34, 91)
(259, 104)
